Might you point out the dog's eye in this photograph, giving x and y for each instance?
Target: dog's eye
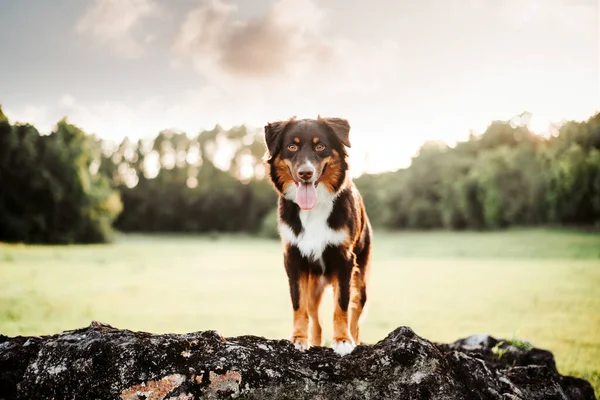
(292, 147)
(320, 147)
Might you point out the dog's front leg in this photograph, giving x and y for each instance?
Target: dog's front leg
(298, 283)
(343, 263)
(316, 286)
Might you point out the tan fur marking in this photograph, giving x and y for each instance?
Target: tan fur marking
(359, 216)
(288, 163)
(341, 328)
(357, 284)
(350, 240)
(315, 295)
(283, 172)
(296, 140)
(332, 172)
(300, 319)
(316, 140)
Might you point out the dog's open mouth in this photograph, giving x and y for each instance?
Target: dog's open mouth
(306, 195)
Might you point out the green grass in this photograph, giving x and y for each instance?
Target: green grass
(541, 286)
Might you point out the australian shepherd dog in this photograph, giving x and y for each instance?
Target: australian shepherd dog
(323, 225)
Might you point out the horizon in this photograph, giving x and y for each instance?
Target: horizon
(222, 156)
(407, 72)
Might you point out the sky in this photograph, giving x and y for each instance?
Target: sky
(401, 71)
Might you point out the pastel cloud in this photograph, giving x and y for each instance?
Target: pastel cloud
(118, 24)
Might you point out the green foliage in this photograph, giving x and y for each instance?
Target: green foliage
(503, 346)
(268, 226)
(509, 188)
(573, 176)
(172, 184)
(49, 192)
(498, 351)
(508, 176)
(374, 191)
(520, 344)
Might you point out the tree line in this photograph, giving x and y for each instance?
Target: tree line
(71, 187)
(507, 176)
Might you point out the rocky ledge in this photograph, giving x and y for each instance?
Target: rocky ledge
(102, 362)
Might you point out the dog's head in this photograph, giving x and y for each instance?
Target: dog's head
(307, 157)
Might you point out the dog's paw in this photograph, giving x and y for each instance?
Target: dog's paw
(342, 347)
(300, 344)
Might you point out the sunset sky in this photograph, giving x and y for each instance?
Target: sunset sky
(401, 71)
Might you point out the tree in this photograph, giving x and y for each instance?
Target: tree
(49, 192)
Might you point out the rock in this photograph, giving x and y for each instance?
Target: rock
(102, 362)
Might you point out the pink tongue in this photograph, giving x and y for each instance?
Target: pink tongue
(306, 196)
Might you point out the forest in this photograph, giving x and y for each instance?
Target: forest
(70, 186)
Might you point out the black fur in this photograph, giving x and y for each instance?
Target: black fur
(294, 267)
(290, 213)
(342, 209)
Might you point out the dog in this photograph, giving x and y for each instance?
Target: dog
(323, 225)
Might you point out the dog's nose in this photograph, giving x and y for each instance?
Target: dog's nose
(305, 174)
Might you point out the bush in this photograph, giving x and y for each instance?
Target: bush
(50, 191)
(268, 226)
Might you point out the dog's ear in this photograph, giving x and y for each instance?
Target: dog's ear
(340, 127)
(274, 134)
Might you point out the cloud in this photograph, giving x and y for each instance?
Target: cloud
(272, 44)
(572, 15)
(281, 63)
(118, 24)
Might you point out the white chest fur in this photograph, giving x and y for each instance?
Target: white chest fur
(316, 234)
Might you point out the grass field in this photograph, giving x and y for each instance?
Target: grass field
(538, 285)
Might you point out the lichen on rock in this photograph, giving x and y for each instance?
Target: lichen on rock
(102, 362)
(153, 389)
